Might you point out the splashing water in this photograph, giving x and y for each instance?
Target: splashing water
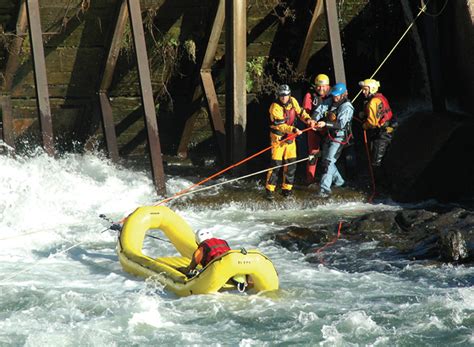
(52, 296)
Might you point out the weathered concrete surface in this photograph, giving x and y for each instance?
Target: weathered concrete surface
(416, 234)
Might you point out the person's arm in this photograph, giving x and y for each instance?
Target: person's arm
(372, 120)
(195, 261)
(302, 114)
(307, 102)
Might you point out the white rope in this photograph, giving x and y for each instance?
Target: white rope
(31, 267)
(242, 177)
(396, 45)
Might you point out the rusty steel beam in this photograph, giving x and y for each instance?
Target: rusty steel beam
(236, 95)
(209, 89)
(308, 42)
(147, 96)
(41, 80)
(13, 63)
(217, 122)
(335, 40)
(110, 64)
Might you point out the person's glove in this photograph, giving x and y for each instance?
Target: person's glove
(192, 273)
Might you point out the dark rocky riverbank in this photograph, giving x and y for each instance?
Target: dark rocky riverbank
(446, 236)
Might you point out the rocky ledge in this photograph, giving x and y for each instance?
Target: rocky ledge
(416, 234)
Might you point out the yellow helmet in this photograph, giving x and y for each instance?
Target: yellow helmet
(372, 84)
(321, 79)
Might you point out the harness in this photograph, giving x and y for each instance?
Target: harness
(347, 132)
(212, 249)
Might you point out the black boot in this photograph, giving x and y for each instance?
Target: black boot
(286, 193)
(269, 195)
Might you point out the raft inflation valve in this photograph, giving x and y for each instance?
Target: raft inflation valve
(243, 251)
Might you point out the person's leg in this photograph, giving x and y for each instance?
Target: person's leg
(289, 171)
(313, 149)
(330, 151)
(277, 159)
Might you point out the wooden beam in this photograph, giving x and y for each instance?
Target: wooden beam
(147, 96)
(217, 122)
(236, 65)
(308, 42)
(335, 40)
(13, 63)
(109, 127)
(114, 49)
(41, 80)
(110, 64)
(209, 89)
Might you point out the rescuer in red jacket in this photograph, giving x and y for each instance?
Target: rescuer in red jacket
(208, 249)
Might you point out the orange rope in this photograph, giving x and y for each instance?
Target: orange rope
(290, 137)
(333, 241)
(371, 171)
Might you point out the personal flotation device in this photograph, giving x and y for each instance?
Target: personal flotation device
(213, 248)
(384, 112)
(289, 119)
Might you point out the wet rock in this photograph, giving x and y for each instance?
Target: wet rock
(414, 234)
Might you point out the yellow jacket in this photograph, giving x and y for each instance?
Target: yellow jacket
(372, 120)
(277, 116)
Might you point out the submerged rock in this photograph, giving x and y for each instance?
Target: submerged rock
(415, 234)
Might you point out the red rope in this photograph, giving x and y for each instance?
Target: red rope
(340, 142)
(333, 241)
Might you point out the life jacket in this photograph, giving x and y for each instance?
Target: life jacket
(213, 248)
(289, 119)
(316, 100)
(384, 112)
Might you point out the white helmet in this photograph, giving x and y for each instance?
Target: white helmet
(203, 235)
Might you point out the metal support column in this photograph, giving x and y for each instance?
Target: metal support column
(308, 42)
(111, 63)
(335, 40)
(236, 96)
(41, 81)
(147, 96)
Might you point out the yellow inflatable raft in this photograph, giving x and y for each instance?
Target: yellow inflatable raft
(216, 276)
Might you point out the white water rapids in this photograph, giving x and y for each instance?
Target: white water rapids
(55, 295)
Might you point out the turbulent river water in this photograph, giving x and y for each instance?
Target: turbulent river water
(61, 283)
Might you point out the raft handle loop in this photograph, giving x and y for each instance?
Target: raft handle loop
(243, 251)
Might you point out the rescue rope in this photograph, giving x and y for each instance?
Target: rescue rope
(423, 8)
(29, 268)
(243, 177)
(333, 241)
(23, 234)
(184, 191)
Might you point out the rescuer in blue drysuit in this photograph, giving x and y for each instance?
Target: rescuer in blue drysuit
(338, 123)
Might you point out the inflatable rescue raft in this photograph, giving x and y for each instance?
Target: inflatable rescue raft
(256, 268)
